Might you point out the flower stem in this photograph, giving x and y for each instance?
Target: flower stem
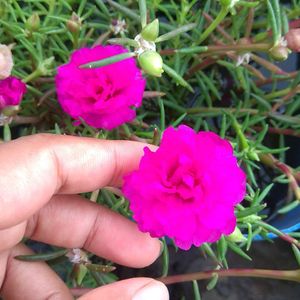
(288, 275)
(279, 233)
(240, 47)
(19, 120)
(213, 49)
(270, 161)
(35, 74)
(220, 17)
(249, 23)
(287, 131)
(220, 110)
(292, 275)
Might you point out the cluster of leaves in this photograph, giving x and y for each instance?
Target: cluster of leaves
(254, 105)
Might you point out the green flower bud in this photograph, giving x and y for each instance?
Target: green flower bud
(236, 236)
(150, 32)
(74, 23)
(151, 62)
(251, 154)
(33, 23)
(279, 53)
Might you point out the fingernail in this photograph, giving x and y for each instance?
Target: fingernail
(153, 290)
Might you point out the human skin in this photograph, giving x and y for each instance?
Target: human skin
(40, 176)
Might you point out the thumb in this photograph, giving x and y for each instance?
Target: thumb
(130, 289)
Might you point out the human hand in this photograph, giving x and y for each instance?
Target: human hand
(39, 177)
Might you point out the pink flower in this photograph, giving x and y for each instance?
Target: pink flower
(187, 189)
(103, 97)
(12, 90)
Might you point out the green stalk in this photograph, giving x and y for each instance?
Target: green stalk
(291, 275)
(240, 47)
(35, 74)
(219, 110)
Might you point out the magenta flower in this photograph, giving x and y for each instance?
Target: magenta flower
(12, 90)
(187, 188)
(103, 97)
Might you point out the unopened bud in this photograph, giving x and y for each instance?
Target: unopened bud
(74, 23)
(151, 62)
(279, 53)
(150, 32)
(251, 154)
(293, 39)
(236, 236)
(33, 23)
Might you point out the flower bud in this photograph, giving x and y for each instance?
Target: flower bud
(151, 62)
(251, 154)
(33, 23)
(279, 53)
(150, 32)
(6, 61)
(236, 236)
(293, 39)
(74, 23)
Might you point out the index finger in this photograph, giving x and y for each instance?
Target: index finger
(34, 168)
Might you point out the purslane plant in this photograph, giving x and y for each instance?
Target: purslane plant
(211, 65)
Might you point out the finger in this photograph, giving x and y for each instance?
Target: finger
(11, 236)
(130, 289)
(73, 222)
(31, 280)
(36, 167)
